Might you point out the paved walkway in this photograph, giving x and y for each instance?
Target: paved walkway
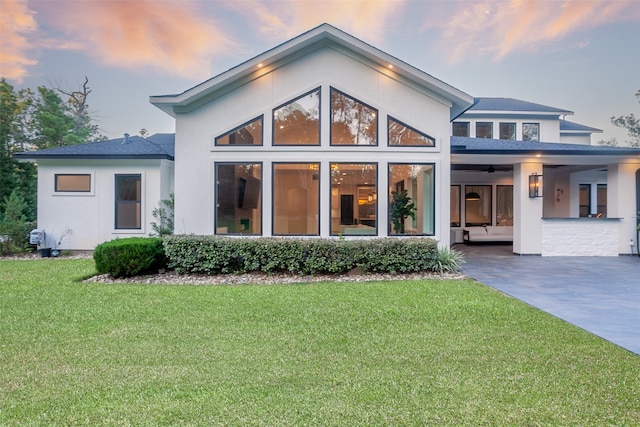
(598, 294)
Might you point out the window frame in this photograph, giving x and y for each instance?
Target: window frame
(291, 101)
(468, 129)
(470, 188)
(511, 124)
(355, 200)
(395, 188)
(524, 125)
(117, 202)
(216, 220)
(273, 192)
(237, 128)
(377, 124)
(459, 205)
(490, 128)
(57, 191)
(410, 128)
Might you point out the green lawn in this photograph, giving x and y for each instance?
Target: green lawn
(328, 354)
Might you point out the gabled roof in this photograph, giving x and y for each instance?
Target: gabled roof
(158, 146)
(321, 36)
(570, 127)
(510, 105)
(462, 145)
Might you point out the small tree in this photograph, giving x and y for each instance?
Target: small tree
(401, 208)
(14, 227)
(164, 215)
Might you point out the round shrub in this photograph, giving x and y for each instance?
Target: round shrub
(130, 257)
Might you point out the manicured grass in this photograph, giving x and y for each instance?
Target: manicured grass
(385, 353)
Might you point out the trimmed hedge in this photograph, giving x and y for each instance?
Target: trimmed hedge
(130, 257)
(223, 255)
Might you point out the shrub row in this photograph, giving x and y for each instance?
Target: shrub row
(130, 256)
(216, 255)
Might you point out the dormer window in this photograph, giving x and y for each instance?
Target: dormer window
(461, 129)
(508, 131)
(484, 130)
(531, 131)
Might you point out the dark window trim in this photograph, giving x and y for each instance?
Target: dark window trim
(468, 133)
(215, 201)
(588, 205)
(255, 119)
(377, 165)
(515, 130)
(531, 123)
(331, 90)
(273, 191)
(273, 127)
(466, 190)
(411, 128)
(451, 224)
(115, 221)
(55, 180)
(433, 199)
(484, 123)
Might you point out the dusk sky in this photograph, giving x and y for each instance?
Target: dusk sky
(578, 55)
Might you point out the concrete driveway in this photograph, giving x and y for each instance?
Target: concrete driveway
(598, 294)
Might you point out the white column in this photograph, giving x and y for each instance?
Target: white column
(527, 223)
(621, 201)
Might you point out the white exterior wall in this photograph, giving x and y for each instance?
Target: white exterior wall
(583, 139)
(90, 217)
(197, 130)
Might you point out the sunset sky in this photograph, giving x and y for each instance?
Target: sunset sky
(578, 55)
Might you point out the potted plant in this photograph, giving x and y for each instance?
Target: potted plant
(401, 208)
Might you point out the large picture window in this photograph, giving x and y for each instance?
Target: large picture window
(401, 134)
(247, 134)
(477, 205)
(74, 183)
(455, 206)
(504, 205)
(354, 198)
(352, 122)
(298, 121)
(296, 199)
(238, 198)
(128, 213)
(411, 199)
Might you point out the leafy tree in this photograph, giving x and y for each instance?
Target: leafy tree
(164, 215)
(631, 123)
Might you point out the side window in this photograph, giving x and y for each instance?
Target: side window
(404, 135)
(411, 199)
(73, 183)
(508, 131)
(298, 121)
(128, 201)
(352, 122)
(248, 134)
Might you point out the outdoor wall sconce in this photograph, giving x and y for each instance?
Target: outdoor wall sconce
(535, 185)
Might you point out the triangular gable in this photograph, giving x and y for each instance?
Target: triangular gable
(323, 35)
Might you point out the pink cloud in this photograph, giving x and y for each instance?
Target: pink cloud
(170, 35)
(497, 28)
(16, 23)
(282, 19)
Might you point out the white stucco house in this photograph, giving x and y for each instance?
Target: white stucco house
(313, 137)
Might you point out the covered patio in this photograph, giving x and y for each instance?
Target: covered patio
(560, 199)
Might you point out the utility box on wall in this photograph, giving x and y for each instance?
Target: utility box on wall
(36, 237)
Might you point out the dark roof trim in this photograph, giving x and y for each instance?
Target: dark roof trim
(461, 145)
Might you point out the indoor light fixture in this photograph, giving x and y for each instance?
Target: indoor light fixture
(535, 185)
(472, 195)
